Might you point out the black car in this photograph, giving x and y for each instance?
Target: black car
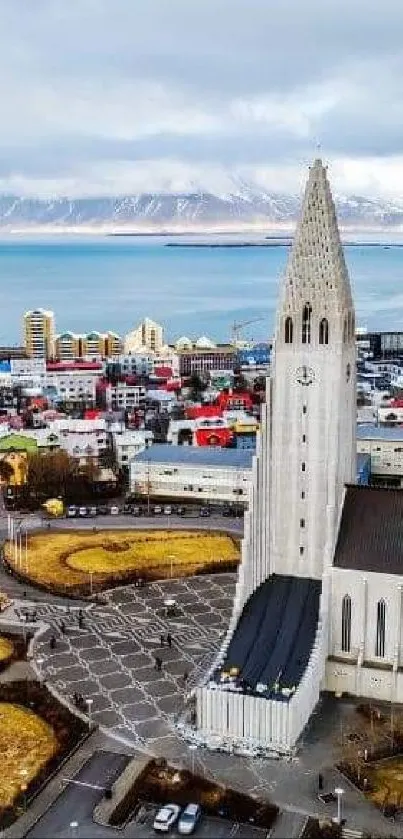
(204, 512)
(227, 511)
(127, 509)
(103, 510)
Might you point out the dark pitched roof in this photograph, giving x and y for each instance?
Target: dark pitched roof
(371, 531)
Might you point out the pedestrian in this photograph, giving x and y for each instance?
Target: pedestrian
(320, 782)
(158, 663)
(169, 640)
(162, 640)
(185, 676)
(63, 627)
(52, 642)
(24, 594)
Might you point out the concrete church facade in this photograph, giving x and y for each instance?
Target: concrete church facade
(318, 601)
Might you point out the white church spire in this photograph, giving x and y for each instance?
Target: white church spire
(313, 391)
(316, 273)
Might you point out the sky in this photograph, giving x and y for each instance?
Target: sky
(113, 98)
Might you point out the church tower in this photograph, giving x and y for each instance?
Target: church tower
(313, 400)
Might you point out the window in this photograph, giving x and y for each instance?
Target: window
(288, 330)
(302, 467)
(302, 522)
(302, 494)
(306, 323)
(304, 438)
(346, 624)
(301, 551)
(380, 629)
(324, 331)
(345, 331)
(304, 409)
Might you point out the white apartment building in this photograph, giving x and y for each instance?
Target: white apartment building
(187, 473)
(129, 443)
(385, 446)
(82, 439)
(74, 385)
(124, 397)
(147, 335)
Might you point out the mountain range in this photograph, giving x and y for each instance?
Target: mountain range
(247, 208)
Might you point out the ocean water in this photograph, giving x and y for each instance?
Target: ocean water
(112, 283)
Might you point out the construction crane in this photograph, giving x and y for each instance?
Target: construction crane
(237, 328)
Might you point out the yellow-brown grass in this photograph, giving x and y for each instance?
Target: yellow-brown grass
(27, 743)
(6, 649)
(66, 559)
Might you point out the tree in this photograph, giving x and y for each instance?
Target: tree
(6, 472)
(197, 386)
(57, 474)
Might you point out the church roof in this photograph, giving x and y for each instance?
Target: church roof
(371, 531)
(316, 266)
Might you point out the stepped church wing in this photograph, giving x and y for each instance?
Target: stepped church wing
(314, 600)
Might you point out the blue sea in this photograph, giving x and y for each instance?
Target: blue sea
(112, 283)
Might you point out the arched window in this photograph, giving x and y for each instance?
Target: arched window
(380, 629)
(288, 331)
(345, 331)
(306, 323)
(346, 624)
(324, 331)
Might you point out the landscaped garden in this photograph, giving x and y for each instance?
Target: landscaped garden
(371, 755)
(36, 733)
(82, 562)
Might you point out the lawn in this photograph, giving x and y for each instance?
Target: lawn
(27, 743)
(386, 779)
(67, 561)
(6, 650)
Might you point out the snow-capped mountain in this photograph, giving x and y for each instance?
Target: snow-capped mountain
(245, 208)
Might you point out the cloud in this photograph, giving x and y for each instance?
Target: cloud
(102, 98)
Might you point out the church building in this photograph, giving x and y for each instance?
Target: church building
(318, 603)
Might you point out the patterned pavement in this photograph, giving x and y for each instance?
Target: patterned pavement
(111, 660)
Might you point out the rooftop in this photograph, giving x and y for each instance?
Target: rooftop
(379, 432)
(197, 456)
(371, 531)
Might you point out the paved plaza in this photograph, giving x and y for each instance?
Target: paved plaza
(111, 660)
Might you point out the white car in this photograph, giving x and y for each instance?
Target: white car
(166, 817)
(114, 511)
(189, 819)
(82, 512)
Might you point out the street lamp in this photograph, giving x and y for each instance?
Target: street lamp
(89, 703)
(339, 792)
(24, 786)
(192, 748)
(171, 557)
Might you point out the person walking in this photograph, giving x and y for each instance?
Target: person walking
(158, 663)
(169, 640)
(162, 640)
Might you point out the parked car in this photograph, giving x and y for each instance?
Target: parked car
(181, 511)
(204, 512)
(71, 512)
(92, 511)
(227, 511)
(136, 511)
(127, 509)
(103, 510)
(166, 817)
(167, 510)
(157, 510)
(82, 512)
(189, 819)
(114, 510)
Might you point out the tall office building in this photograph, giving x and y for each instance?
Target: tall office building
(39, 333)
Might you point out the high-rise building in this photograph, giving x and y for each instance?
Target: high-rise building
(148, 335)
(39, 333)
(67, 346)
(318, 603)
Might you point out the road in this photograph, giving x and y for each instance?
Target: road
(76, 803)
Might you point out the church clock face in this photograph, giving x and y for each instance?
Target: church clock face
(304, 376)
